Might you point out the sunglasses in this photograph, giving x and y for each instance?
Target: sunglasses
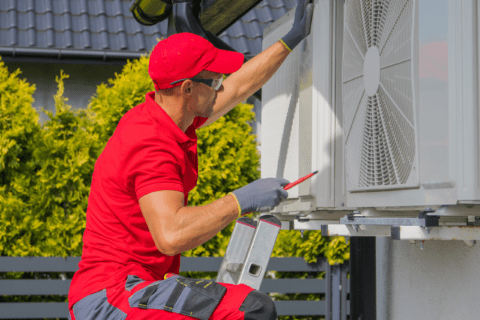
(214, 83)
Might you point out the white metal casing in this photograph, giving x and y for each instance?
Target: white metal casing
(307, 108)
(293, 144)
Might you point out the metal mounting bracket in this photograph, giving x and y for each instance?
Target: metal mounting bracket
(303, 205)
(423, 220)
(445, 223)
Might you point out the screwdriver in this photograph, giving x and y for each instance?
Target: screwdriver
(293, 184)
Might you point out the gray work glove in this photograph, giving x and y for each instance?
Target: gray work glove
(301, 25)
(261, 195)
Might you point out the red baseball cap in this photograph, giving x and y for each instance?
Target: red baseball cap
(184, 55)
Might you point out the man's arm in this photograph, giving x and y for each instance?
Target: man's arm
(248, 79)
(176, 228)
(256, 72)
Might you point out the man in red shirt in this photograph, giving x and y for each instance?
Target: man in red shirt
(138, 221)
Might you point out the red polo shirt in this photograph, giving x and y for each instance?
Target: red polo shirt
(147, 152)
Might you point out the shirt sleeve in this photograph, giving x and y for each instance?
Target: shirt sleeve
(156, 167)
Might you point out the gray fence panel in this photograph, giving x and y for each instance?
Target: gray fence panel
(39, 264)
(60, 309)
(294, 264)
(293, 285)
(206, 264)
(60, 287)
(70, 264)
(345, 289)
(34, 287)
(328, 296)
(336, 292)
(303, 308)
(300, 308)
(33, 310)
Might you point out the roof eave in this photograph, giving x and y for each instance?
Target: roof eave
(68, 54)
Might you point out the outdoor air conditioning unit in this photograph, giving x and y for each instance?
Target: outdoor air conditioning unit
(382, 99)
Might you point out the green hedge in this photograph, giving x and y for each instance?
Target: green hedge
(46, 171)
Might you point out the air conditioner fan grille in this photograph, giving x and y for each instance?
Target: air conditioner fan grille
(379, 123)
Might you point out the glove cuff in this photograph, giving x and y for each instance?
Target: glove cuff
(281, 40)
(238, 204)
(291, 39)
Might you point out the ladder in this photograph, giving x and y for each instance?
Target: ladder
(249, 251)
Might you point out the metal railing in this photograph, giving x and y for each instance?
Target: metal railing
(335, 286)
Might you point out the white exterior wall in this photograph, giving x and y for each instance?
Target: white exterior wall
(440, 282)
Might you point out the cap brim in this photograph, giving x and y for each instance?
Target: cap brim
(226, 62)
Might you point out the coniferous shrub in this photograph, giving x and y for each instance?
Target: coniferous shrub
(46, 171)
(18, 128)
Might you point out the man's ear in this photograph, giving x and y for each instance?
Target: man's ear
(187, 87)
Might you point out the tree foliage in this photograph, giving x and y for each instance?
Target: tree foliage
(46, 173)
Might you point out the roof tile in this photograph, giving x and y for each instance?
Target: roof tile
(252, 29)
(74, 7)
(109, 25)
(4, 5)
(19, 5)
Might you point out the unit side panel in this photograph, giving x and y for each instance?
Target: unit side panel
(433, 87)
(324, 130)
(280, 127)
(464, 37)
(403, 198)
(306, 71)
(340, 177)
(477, 133)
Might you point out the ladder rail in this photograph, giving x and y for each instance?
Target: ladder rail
(249, 251)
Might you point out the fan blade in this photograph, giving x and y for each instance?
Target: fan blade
(388, 145)
(397, 84)
(366, 7)
(353, 59)
(352, 97)
(395, 43)
(401, 137)
(354, 24)
(379, 14)
(354, 143)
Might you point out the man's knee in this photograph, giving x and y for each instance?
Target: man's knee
(259, 306)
